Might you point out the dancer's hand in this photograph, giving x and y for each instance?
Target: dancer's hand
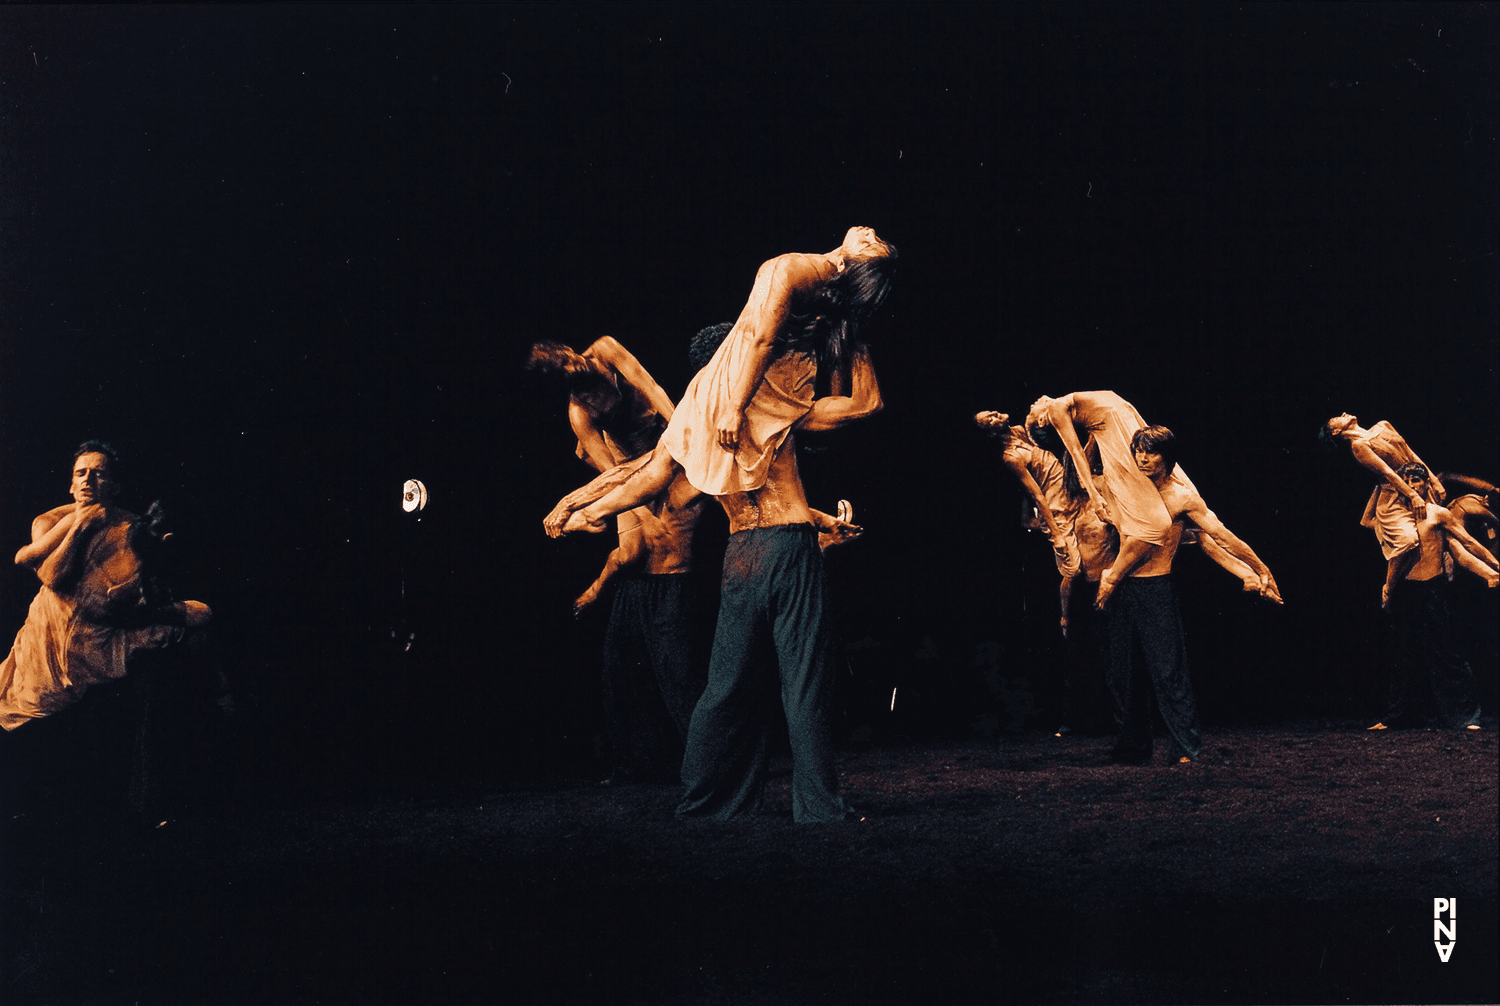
(587, 598)
(728, 430)
(1064, 623)
(554, 521)
(1106, 588)
(1385, 597)
(1101, 508)
(86, 517)
(1066, 556)
(1418, 507)
(836, 532)
(1268, 588)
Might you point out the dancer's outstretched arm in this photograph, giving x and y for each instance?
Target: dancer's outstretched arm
(1240, 570)
(1460, 535)
(1212, 527)
(1059, 540)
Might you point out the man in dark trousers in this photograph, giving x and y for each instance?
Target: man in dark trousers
(649, 646)
(1141, 602)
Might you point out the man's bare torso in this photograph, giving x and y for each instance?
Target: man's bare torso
(781, 500)
(1177, 499)
(668, 536)
(1432, 542)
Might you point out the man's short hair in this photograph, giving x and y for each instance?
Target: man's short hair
(1415, 470)
(98, 447)
(706, 343)
(1156, 440)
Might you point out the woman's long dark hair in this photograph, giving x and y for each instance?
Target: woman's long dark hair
(831, 317)
(1047, 439)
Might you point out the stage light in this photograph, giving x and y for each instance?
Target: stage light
(413, 496)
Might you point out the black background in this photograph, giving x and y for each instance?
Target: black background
(286, 258)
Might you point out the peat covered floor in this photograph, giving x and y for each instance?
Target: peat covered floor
(1288, 864)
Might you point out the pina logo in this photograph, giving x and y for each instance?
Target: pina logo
(1444, 930)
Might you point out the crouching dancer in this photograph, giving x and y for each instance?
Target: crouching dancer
(1142, 608)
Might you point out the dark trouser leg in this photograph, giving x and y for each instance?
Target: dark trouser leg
(1148, 611)
(679, 673)
(805, 652)
(1165, 648)
(1127, 682)
(627, 679)
(1424, 629)
(1086, 655)
(724, 765)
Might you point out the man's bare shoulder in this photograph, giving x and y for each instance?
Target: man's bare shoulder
(44, 522)
(1180, 500)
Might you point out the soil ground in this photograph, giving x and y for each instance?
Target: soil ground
(1294, 864)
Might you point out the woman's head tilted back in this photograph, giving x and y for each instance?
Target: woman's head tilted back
(846, 300)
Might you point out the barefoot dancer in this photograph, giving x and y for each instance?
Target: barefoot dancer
(732, 438)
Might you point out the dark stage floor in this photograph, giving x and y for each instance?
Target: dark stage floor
(1294, 864)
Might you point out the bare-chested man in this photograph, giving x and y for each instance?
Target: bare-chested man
(94, 609)
(1141, 602)
(732, 438)
(1420, 616)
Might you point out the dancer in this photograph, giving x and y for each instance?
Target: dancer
(1394, 508)
(1124, 496)
(803, 314)
(732, 438)
(616, 409)
(1146, 613)
(97, 616)
(1422, 622)
(95, 608)
(1041, 476)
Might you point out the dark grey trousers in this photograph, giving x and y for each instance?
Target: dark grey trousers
(774, 604)
(648, 651)
(1428, 672)
(1144, 620)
